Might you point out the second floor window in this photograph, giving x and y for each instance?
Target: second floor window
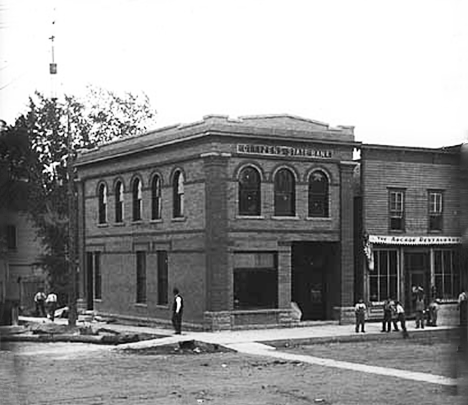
(137, 199)
(249, 192)
(11, 237)
(397, 210)
(156, 198)
(435, 210)
(318, 195)
(178, 191)
(285, 193)
(102, 204)
(119, 201)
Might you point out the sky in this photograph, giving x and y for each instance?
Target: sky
(396, 70)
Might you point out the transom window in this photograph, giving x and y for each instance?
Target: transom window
(156, 198)
(435, 201)
(137, 199)
(285, 196)
(178, 191)
(249, 192)
(318, 195)
(102, 204)
(119, 202)
(397, 210)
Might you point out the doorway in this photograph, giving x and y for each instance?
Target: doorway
(417, 274)
(312, 265)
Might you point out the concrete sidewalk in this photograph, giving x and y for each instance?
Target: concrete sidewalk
(320, 333)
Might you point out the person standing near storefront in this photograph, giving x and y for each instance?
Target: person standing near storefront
(177, 311)
(463, 313)
(419, 310)
(360, 311)
(388, 318)
(402, 318)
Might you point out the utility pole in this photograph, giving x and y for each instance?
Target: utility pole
(72, 290)
(72, 310)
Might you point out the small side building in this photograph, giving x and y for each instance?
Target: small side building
(244, 216)
(413, 205)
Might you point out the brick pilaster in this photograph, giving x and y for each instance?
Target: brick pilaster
(347, 231)
(219, 285)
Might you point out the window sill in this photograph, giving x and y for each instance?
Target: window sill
(326, 219)
(162, 306)
(141, 304)
(156, 221)
(285, 217)
(105, 225)
(396, 231)
(97, 299)
(119, 223)
(435, 231)
(179, 219)
(250, 217)
(137, 222)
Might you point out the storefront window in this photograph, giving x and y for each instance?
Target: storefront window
(383, 279)
(447, 273)
(255, 281)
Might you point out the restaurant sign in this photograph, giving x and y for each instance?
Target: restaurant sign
(414, 240)
(285, 151)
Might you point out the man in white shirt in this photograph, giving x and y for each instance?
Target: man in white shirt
(51, 303)
(177, 311)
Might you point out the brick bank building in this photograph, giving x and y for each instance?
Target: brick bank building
(247, 215)
(243, 215)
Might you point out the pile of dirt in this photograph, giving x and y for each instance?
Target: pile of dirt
(192, 347)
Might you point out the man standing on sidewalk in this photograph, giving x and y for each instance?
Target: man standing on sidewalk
(177, 310)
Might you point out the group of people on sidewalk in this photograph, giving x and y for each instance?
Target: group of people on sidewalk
(45, 304)
(393, 313)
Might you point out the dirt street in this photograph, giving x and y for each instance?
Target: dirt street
(76, 374)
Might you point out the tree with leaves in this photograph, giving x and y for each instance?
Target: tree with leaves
(55, 130)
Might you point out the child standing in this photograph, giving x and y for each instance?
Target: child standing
(360, 311)
(402, 318)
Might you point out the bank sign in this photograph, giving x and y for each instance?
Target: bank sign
(285, 151)
(414, 240)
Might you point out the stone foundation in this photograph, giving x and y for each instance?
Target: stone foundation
(345, 315)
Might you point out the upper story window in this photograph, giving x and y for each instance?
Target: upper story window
(119, 202)
(11, 237)
(285, 195)
(249, 192)
(178, 194)
(102, 204)
(396, 208)
(435, 202)
(137, 199)
(156, 197)
(318, 195)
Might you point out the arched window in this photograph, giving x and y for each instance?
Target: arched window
(102, 204)
(137, 199)
(156, 198)
(285, 194)
(249, 192)
(178, 190)
(119, 202)
(318, 195)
